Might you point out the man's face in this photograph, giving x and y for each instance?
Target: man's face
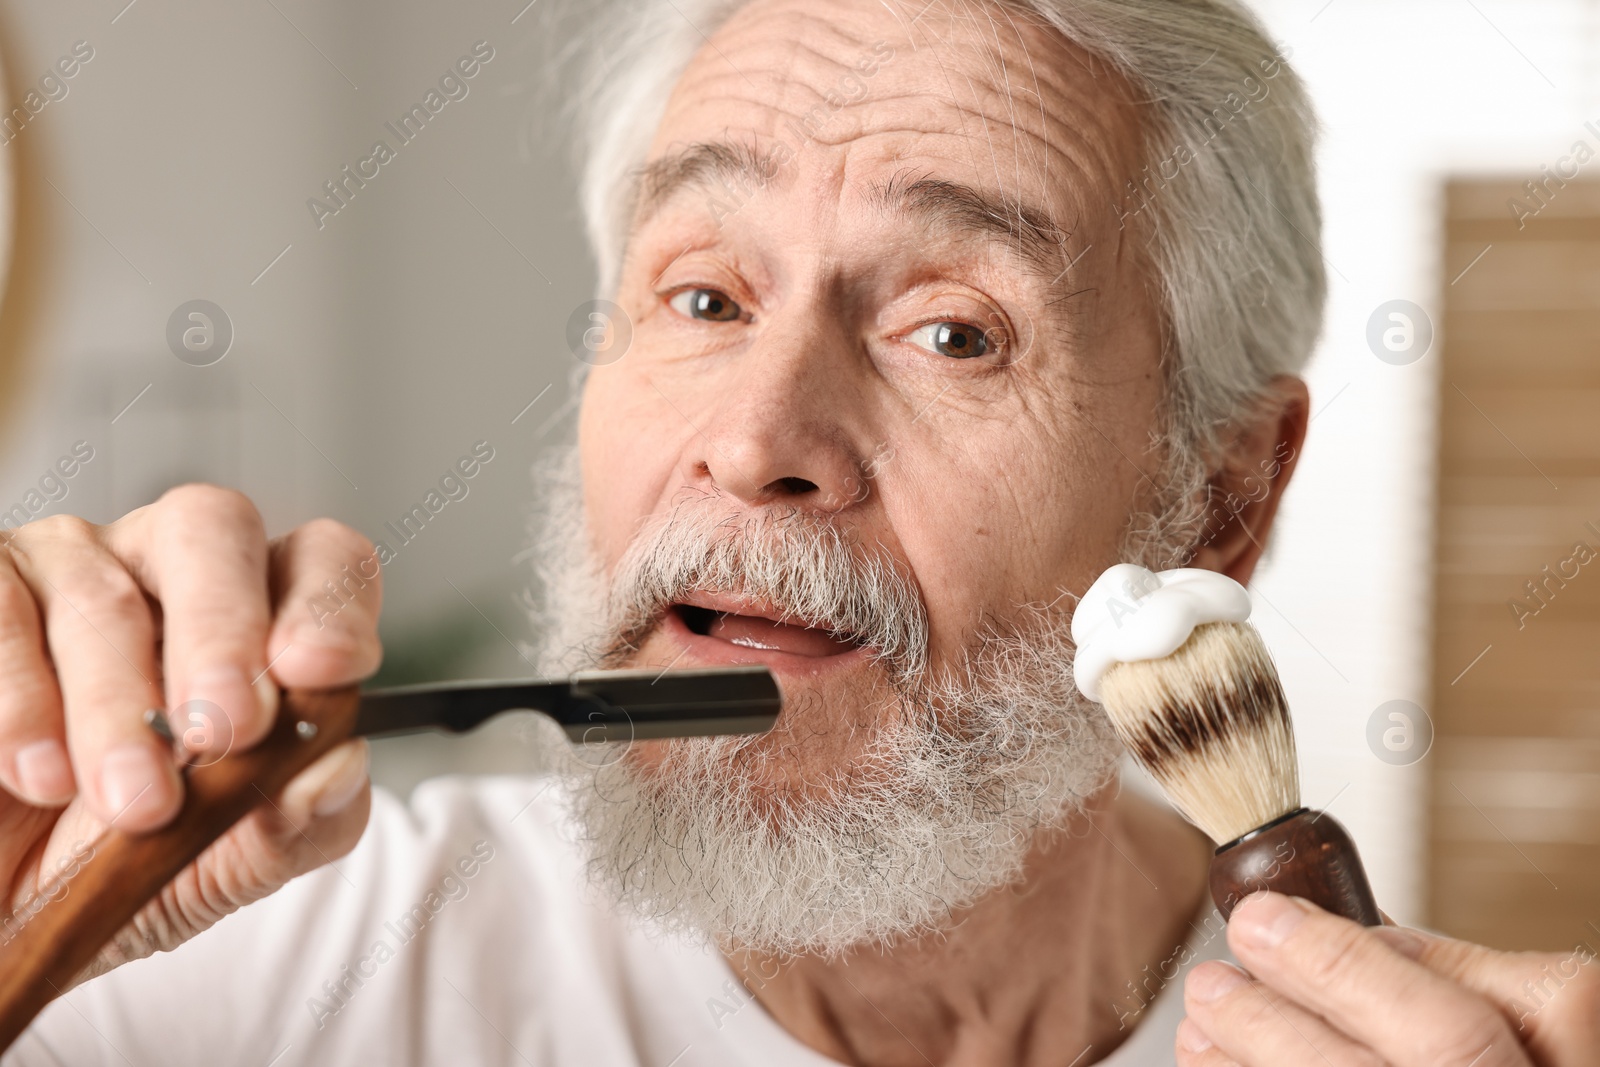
(811, 337)
(888, 400)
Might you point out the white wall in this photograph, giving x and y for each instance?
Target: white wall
(420, 319)
(375, 351)
(1409, 93)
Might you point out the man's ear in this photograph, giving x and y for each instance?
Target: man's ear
(1249, 478)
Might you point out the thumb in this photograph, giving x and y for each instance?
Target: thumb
(317, 818)
(1551, 999)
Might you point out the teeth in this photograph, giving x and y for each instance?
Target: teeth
(704, 621)
(750, 642)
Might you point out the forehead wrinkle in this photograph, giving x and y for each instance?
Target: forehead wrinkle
(778, 64)
(1038, 261)
(952, 206)
(1094, 139)
(1024, 149)
(1003, 90)
(1033, 73)
(1033, 226)
(782, 39)
(944, 72)
(779, 49)
(988, 137)
(697, 166)
(1039, 95)
(994, 77)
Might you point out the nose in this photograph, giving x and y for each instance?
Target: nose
(785, 427)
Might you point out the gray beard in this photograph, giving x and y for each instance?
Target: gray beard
(942, 807)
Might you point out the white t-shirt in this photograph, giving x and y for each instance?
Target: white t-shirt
(461, 930)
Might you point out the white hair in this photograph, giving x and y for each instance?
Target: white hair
(1233, 236)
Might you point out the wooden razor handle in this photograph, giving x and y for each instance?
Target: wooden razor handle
(1305, 854)
(48, 942)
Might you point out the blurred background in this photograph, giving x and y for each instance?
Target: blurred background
(1429, 594)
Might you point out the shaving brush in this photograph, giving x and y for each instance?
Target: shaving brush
(1207, 719)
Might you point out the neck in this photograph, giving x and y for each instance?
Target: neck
(1037, 972)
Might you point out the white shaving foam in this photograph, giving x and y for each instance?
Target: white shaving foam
(1131, 613)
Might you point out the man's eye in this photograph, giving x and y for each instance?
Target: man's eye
(705, 304)
(958, 340)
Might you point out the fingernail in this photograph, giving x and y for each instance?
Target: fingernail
(44, 772)
(1191, 1037)
(129, 783)
(1408, 943)
(230, 690)
(266, 694)
(1266, 919)
(345, 786)
(338, 638)
(1206, 984)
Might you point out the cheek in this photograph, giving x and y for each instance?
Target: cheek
(629, 450)
(965, 518)
(956, 543)
(994, 527)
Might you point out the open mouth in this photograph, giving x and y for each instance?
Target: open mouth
(747, 625)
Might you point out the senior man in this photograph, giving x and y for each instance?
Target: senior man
(936, 310)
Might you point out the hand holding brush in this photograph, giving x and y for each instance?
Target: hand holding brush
(1190, 689)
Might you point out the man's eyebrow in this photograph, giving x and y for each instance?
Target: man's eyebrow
(728, 167)
(950, 206)
(735, 170)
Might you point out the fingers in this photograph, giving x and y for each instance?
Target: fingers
(242, 615)
(1195, 1049)
(1255, 1026)
(101, 637)
(329, 786)
(318, 818)
(202, 552)
(83, 610)
(1552, 1000)
(34, 766)
(1368, 991)
(326, 591)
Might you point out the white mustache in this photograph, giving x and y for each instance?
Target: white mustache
(803, 565)
(938, 807)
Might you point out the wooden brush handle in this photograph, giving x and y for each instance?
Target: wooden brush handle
(1305, 854)
(123, 872)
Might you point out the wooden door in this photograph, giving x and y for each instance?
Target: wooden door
(1515, 772)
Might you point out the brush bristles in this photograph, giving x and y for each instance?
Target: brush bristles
(1211, 726)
